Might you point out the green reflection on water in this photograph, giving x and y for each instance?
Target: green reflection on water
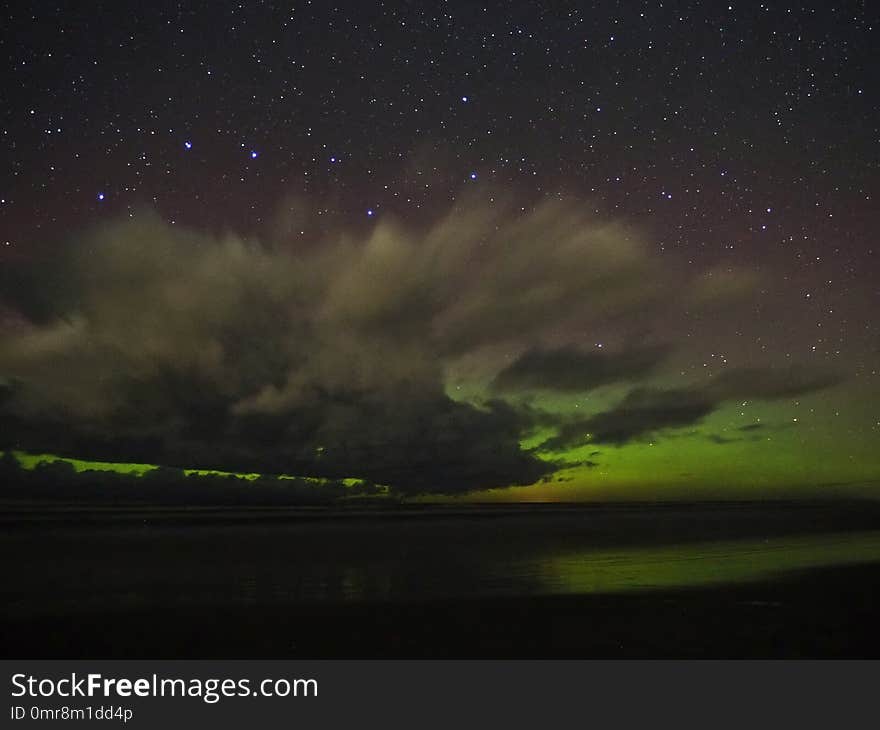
(699, 564)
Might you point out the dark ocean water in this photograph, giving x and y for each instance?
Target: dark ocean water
(80, 562)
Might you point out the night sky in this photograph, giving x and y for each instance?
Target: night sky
(517, 251)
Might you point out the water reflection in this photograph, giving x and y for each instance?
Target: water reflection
(166, 568)
(641, 569)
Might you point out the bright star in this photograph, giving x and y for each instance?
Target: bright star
(464, 99)
(188, 145)
(473, 176)
(100, 196)
(254, 154)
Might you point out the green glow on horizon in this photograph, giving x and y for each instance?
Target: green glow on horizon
(32, 461)
(249, 477)
(825, 444)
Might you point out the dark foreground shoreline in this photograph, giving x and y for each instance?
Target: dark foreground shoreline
(827, 613)
(207, 583)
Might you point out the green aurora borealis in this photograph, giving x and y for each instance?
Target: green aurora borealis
(817, 445)
(474, 372)
(807, 451)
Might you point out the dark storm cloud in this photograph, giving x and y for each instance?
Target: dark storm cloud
(320, 358)
(766, 384)
(645, 411)
(332, 356)
(568, 368)
(642, 411)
